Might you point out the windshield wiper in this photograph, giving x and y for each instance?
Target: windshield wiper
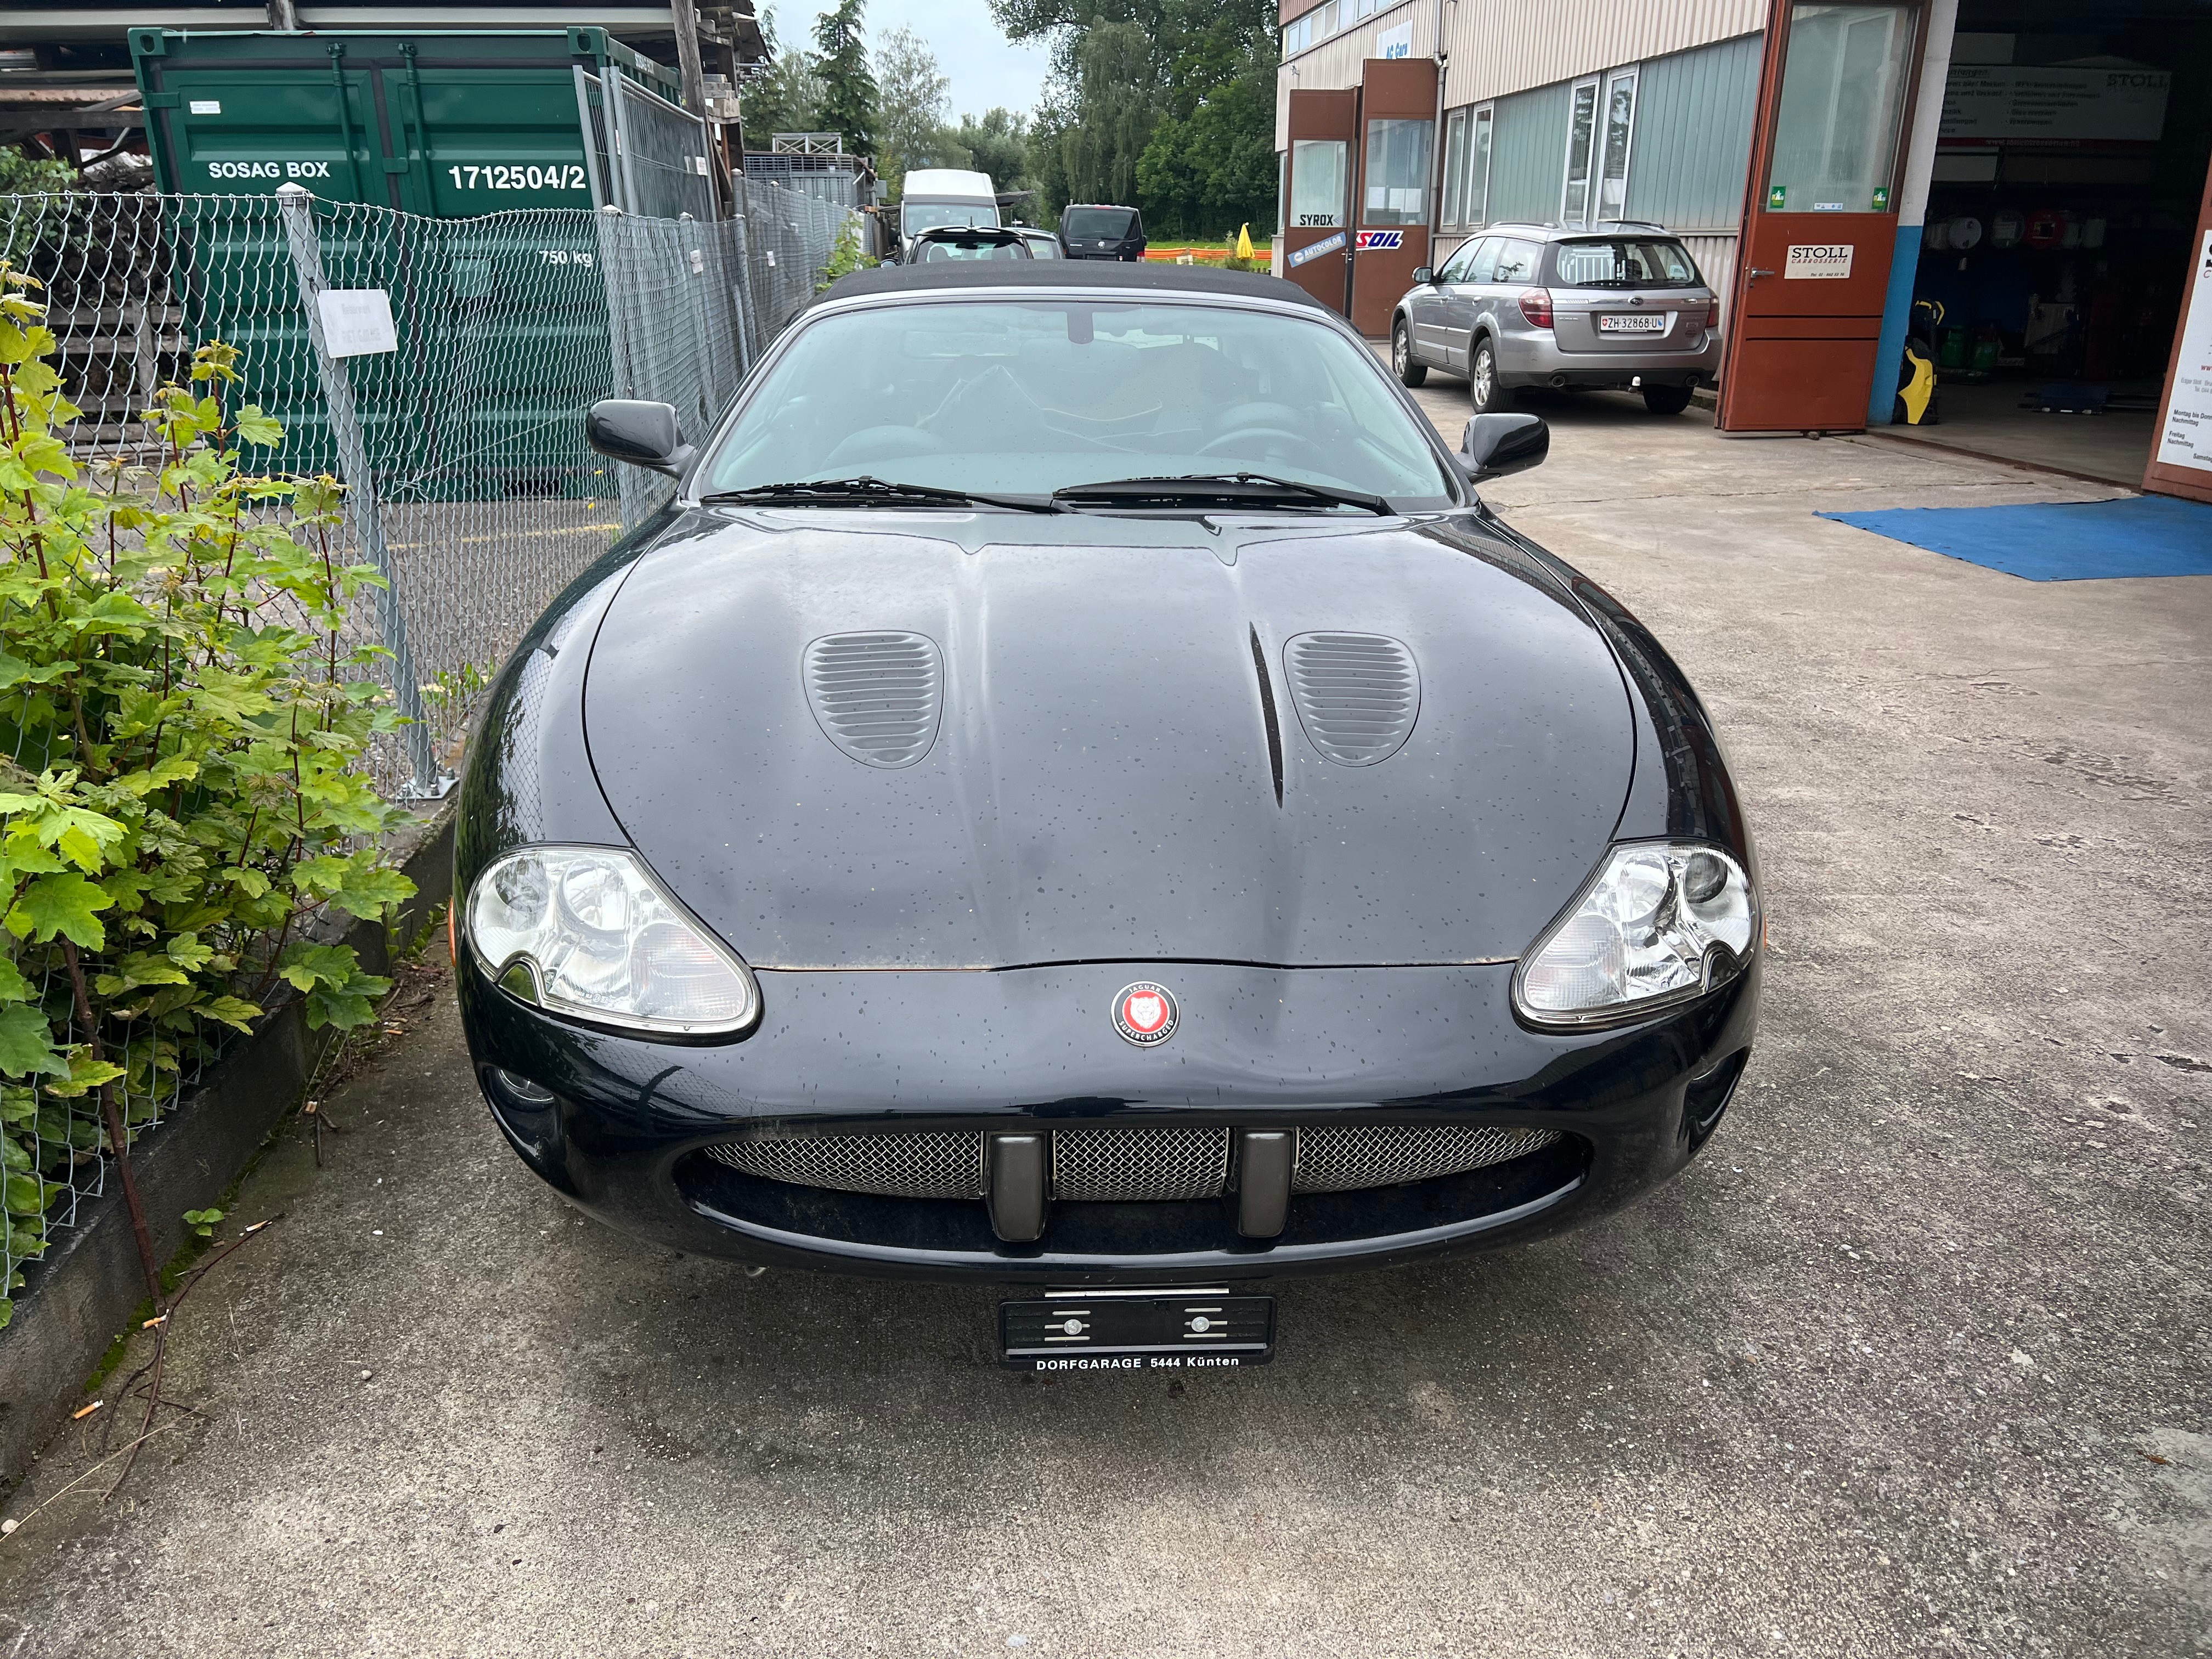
(867, 491)
(1236, 489)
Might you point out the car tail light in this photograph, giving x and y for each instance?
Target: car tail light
(1713, 314)
(1536, 307)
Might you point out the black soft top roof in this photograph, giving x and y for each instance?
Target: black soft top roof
(1198, 280)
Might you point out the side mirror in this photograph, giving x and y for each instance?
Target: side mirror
(1423, 277)
(1496, 445)
(644, 435)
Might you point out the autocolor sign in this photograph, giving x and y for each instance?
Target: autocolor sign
(1828, 261)
(1327, 245)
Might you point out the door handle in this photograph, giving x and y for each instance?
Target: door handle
(1756, 273)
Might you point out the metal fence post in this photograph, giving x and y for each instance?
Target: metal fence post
(429, 783)
(615, 276)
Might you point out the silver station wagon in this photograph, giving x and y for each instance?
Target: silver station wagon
(1615, 306)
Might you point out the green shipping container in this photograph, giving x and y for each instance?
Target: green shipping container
(503, 321)
(451, 125)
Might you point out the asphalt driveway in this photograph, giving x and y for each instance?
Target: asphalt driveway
(1913, 1361)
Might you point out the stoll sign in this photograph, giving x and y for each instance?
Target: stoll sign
(1830, 260)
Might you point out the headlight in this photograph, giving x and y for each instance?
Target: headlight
(1663, 921)
(597, 938)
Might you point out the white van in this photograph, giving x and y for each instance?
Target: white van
(944, 196)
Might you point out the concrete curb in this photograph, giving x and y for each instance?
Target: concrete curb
(81, 1295)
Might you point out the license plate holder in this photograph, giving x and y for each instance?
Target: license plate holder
(1631, 323)
(1146, 1330)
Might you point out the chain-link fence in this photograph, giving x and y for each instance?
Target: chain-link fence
(459, 433)
(482, 499)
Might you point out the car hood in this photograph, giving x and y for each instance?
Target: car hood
(1099, 782)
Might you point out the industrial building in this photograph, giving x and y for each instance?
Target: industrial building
(2036, 169)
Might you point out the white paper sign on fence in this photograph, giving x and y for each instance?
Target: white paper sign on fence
(357, 321)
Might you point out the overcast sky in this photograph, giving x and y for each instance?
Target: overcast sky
(985, 67)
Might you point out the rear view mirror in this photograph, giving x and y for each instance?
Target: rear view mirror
(643, 434)
(1423, 277)
(1496, 445)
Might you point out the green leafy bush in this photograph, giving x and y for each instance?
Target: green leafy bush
(182, 803)
(846, 255)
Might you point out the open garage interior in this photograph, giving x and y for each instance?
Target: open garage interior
(2061, 212)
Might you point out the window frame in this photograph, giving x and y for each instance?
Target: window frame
(1592, 84)
(1602, 136)
(1457, 125)
(1345, 186)
(1481, 118)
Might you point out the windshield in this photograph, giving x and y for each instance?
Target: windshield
(916, 217)
(1623, 262)
(1042, 247)
(1033, 397)
(1099, 224)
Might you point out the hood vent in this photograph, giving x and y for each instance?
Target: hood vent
(1358, 693)
(876, 695)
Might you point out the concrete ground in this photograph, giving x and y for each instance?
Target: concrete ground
(1913, 1361)
(1987, 419)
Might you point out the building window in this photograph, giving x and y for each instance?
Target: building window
(1317, 168)
(1842, 96)
(1454, 167)
(1467, 166)
(1620, 128)
(1582, 130)
(1316, 25)
(1600, 128)
(1397, 173)
(1476, 203)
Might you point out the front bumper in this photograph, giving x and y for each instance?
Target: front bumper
(1033, 1049)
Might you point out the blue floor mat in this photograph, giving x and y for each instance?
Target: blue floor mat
(2059, 541)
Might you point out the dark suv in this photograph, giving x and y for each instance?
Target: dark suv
(1089, 230)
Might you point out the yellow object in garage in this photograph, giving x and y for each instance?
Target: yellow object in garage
(1919, 387)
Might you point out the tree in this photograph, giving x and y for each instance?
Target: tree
(1167, 104)
(788, 99)
(910, 110)
(1207, 173)
(997, 143)
(848, 90)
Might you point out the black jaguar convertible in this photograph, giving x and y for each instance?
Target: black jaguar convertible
(1076, 790)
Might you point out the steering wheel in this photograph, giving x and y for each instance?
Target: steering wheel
(1267, 436)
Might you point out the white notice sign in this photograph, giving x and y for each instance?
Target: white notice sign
(2187, 439)
(357, 321)
(1817, 259)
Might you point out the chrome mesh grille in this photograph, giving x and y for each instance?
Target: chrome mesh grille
(876, 695)
(901, 1166)
(1338, 1160)
(1357, 693)
(1133, 1165)
(1128, 1165)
